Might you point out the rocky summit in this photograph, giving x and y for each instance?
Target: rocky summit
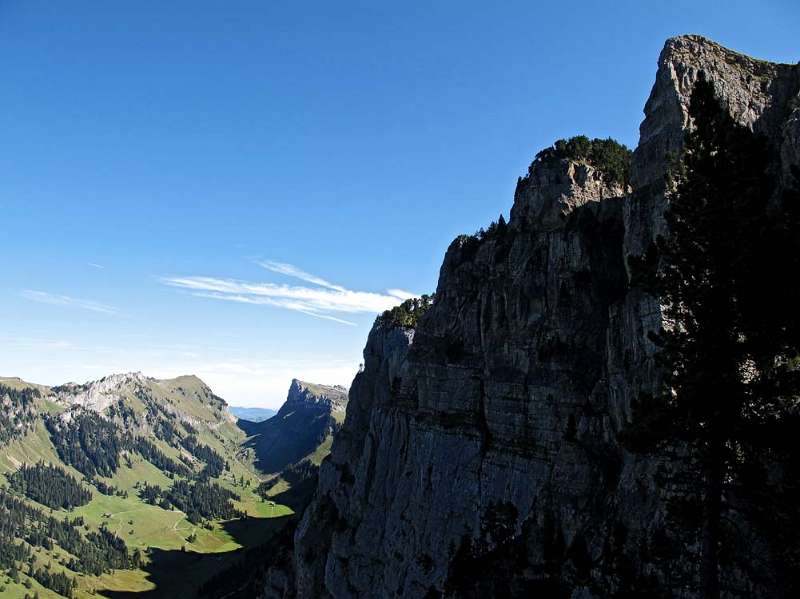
(480, 455)
(302, 429)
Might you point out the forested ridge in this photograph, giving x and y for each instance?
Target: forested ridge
(49, 485)
(17, 413)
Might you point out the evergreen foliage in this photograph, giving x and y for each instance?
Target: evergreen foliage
(607, 155)
(88, 442)
(150, 493)
(12, 552)
(202, 500)
(50, 486)
(107, 489)
(215, 463)
(94, 554)
(55, 581)
(199, 499)
(165, 430)
(467, 245)
(18, 411)
(407, 314)
(158, 458)
(93, 444)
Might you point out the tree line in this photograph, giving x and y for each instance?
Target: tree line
(23, 526)
(49, 485)
(199, 499)
(18, 411)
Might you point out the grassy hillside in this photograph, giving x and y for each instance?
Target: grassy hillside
(114, 437)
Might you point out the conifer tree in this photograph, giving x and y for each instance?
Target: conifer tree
(728, 345)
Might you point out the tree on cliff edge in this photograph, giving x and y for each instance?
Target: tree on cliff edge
(729, 343)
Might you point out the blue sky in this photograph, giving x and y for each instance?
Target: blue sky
(235, 189)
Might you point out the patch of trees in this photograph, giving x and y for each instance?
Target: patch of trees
(93, 444)
(199, 500)
(17, 412)
(50, 486)
(468, 245)
(121, 411)
(55, 581)
(158, 458)
(407, 314)
(88, 442)
(215, 463)
(165, 430)
(612, 158)
(111, 548)
(94, 553)
(107, 489)
(150, 493)
(496, 230)
(12, 552)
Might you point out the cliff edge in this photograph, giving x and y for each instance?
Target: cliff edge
(480, 452)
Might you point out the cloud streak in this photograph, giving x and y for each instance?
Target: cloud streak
(43, 297)
(292, 271)
(321, 299)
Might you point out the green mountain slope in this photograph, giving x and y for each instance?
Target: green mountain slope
(153, 473)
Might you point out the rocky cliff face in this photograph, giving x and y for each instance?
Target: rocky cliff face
(480, 452)
(330, 398)
(99, 395)
(144, 400)
(301, 429)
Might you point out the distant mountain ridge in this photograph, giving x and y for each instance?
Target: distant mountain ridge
(164, 452)
(302, 429)
(252, 414)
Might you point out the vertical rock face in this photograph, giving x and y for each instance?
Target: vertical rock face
(759, 94)
(306, 420)
(479, 455)
(302, 394)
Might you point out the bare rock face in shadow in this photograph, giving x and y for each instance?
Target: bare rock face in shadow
(480, 453)
(305, 421)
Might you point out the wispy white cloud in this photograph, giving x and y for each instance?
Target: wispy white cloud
(401, 294)
(292, 271)
(43, 297)
(95, 265)
(323, 300)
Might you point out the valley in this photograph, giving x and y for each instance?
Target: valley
(132, 486)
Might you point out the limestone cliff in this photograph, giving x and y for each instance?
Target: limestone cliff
(302, 428)
(480, 452)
